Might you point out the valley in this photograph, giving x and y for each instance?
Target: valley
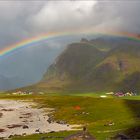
(104, 117)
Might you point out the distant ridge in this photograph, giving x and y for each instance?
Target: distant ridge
(102, 64)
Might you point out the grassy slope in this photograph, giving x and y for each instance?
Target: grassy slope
(84, 67)
(100, 111)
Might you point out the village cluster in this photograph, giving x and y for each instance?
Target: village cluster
(26, 93)
(115, 94)
(118, 94)
(121, 94)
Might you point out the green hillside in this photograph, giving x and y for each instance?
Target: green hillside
(95, 113)
(95, 65)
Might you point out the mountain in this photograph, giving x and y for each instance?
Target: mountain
(102, 64)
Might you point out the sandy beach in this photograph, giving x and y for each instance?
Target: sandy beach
(19, 118)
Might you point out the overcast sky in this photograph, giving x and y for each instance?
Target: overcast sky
(23, 19)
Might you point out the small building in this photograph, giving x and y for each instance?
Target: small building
(110, 93)
(103, 96)
(128, 94)
(119, 94)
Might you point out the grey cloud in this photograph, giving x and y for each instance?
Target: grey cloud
(23, 19)
(117, 15)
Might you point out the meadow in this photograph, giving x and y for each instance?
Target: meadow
(94, 112)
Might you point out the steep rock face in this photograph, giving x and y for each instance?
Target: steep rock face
(76, 61)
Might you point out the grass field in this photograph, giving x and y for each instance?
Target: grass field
(94, 112)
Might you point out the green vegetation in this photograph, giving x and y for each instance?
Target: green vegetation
(98, 112)
(39, 136)
(84, 66)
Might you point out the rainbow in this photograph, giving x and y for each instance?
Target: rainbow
(29, 42)
(44, 37)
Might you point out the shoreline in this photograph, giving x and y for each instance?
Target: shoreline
(19, 118)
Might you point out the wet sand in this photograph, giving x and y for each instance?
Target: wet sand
(19, 118)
